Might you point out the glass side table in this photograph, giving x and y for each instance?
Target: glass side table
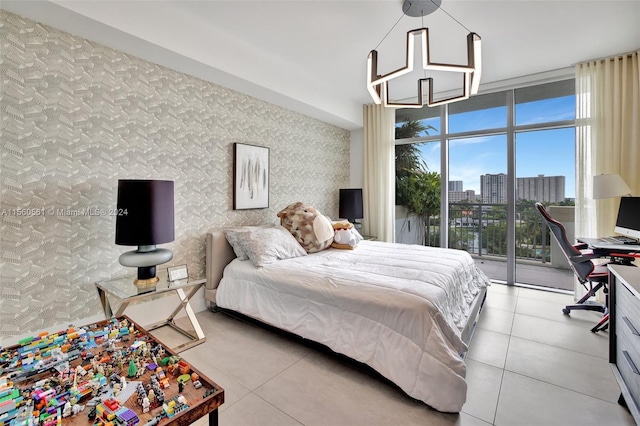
(125, 290)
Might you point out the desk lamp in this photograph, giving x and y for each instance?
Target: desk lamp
(350, 205)
(145, 219)
(609, 186)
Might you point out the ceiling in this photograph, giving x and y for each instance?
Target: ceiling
(310, 56)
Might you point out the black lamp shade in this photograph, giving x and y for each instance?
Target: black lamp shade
(350, 204)
(145, 210)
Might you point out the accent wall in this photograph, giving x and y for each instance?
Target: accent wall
(77, 116)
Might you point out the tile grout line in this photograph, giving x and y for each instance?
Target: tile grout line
(562, 387)
(279, 373)
(536, 317)
(546, 344)
(504, 367)
(279, 409)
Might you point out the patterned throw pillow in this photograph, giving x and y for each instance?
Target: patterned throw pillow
(267, 245)
(232, 236)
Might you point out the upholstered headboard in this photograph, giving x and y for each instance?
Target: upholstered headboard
(219, 254)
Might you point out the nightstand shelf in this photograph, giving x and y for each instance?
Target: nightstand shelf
(125, 290)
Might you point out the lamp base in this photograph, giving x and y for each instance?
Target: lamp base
(145, 259)
(147, 282)
(357, 225)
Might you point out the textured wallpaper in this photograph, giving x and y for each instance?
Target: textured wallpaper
(77, 116)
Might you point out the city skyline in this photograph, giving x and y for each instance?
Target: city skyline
(547, 189)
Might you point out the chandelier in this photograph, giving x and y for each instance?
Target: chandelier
(378, 85)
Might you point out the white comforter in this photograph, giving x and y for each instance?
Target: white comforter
(396, 307)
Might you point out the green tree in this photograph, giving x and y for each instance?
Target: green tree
(417, 189)
(494, 238)
(408, 157)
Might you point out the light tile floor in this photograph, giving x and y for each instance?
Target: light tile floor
(528, 365)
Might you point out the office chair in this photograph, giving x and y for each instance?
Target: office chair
(592, 277)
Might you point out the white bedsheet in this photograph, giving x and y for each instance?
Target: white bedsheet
(396, 307)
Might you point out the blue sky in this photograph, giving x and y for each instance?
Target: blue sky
(548, 152)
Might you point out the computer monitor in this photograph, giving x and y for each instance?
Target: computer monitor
(628, 222)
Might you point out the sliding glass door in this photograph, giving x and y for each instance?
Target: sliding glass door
(477, 200)
(545, 173)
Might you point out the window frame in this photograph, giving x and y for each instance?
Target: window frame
(510, 130)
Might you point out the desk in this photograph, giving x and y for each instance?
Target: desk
(611, 250)
(91, 374)
(125, 290)
(597, 244)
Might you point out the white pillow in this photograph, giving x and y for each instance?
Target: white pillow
(267, 245)
(231, 234)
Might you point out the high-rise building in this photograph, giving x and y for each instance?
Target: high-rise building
(455, 185)
(457, 196)
(493, 188)
(544, 189)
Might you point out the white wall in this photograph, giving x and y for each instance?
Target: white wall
(356, 159)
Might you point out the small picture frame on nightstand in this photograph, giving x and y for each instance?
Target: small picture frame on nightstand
(177, 273)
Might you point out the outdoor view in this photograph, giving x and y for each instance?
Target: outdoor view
(544, 145)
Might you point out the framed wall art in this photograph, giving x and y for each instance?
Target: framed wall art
(250, 177)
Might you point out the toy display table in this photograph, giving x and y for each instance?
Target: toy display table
(127, 292)
(111, 372)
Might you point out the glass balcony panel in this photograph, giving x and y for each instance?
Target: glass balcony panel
(477, 214)
(545, 173)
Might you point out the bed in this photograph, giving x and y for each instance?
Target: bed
(407, 311)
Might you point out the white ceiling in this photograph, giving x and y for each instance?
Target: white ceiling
(310, 56)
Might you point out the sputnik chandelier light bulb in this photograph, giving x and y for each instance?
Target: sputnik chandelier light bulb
(378, 85)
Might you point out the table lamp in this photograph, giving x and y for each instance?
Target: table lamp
(145, 219)
(350, 204)
(609, 186)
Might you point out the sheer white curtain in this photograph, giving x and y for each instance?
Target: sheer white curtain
(379, 172)
(607, 136)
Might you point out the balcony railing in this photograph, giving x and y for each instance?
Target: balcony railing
(481, 229)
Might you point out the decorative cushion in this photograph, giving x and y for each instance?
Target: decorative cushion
(267, 245)
(346, 237)
(231, 234)
(310, 228)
